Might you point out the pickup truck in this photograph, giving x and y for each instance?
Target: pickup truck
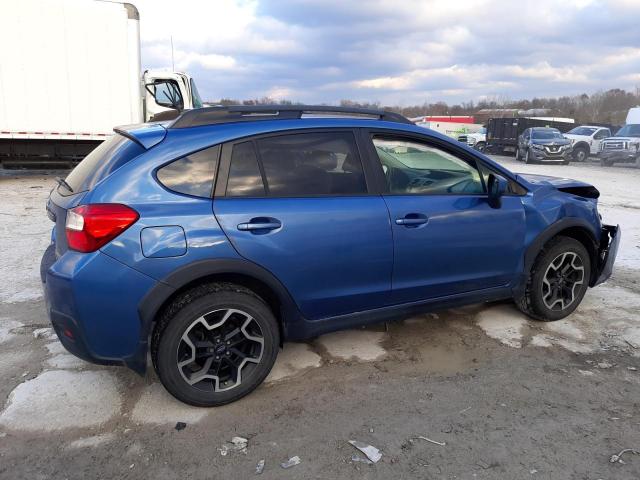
(624, 146)
(586, 140)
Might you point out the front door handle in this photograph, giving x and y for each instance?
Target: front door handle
(412, 220)
(260, 224)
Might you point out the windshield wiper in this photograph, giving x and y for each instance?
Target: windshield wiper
(61, 181)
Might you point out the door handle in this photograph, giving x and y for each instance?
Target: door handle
(260, 224)
(412, 220)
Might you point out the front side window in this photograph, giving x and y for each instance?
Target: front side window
(312, 164)
(412, 167)
(193, 174)
(586, 131)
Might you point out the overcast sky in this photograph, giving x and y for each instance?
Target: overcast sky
(395, 51)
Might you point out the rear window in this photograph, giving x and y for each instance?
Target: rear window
(312, 164)
(100, 163)
(193, 174)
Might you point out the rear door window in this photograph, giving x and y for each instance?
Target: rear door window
(245, 179)
(319, 163)
(193, 174)
(100, 163)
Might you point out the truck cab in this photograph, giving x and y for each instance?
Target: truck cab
(624, 146)
(166, 94)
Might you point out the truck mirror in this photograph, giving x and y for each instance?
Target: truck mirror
(166, 94)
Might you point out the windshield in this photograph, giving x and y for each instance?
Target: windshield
(588, 131)
(483, 130)
(629, 131)
(545, 134)
(197, 101)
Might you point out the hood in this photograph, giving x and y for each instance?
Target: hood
(621, 139)
(551, 141)
(573, 136)
(567, 185)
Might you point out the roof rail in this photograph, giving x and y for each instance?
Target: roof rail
(250, 113)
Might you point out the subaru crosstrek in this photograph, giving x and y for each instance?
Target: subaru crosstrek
(212, 239)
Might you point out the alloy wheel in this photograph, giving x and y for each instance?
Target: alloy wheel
(564, 275)
(218, 349)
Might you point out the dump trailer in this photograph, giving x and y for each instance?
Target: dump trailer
(69, 72)
(503, 133)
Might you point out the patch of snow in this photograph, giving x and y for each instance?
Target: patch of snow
(361, 345)
(294, 358)
(56, 348)
(503, 323)
(66, 360)
(6, 328)
(565, 328)
(23, 211)
(92, 442)
(586, 373)
(541, 340)
(46, 333)
(60, 399)
(157, 406)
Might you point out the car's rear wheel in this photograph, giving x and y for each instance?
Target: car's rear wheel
(215, 344)
(558, 280)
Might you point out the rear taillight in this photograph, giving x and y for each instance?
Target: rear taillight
(89, 227)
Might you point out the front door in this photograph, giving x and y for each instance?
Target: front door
(448, 240)
(298, 205)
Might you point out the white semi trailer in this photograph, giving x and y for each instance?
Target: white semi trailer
(69, 72)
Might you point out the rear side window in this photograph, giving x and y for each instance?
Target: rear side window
(312, 164)
(100, 163)
(245, 179)
(193, 174)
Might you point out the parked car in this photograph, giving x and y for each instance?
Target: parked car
(586, 139)
(540, 144)
(503, 133)
(476, 140)
(624, 146)
(212, 239)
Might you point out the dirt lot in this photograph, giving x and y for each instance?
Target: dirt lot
(507, 397)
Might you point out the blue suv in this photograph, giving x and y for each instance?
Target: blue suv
(211, 239)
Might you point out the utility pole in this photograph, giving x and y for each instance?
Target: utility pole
(173, 67)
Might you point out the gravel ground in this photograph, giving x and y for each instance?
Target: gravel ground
(508, 397)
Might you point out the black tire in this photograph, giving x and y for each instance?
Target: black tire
(183, 314)
(532, 301)
(581, 154)
(518, 158)
(527, 157)
(606, 163)
(480, 146)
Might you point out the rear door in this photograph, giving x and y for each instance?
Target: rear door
(448, 240)
(298, 204)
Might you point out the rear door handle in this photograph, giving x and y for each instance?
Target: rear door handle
(260, 224)
(412, 220)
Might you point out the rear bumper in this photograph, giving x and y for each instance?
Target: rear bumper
(607, 252)
(92, 301)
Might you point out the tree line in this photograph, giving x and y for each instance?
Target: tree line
(608, 106)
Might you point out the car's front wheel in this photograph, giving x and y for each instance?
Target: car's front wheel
(215, 344)
(518, 158)
(527, 156)
(581, 154)
(558, 280)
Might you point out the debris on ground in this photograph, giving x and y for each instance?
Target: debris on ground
(604, 365)
(292, 462)
(260, 467)
(632, 369)
(618, 458)
(47, 333)
(237, 444)
(442, 444)
(181, 426)
(358, 458)
(370, 451)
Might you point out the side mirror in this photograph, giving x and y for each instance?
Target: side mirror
(166, 94)
(497, 187)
